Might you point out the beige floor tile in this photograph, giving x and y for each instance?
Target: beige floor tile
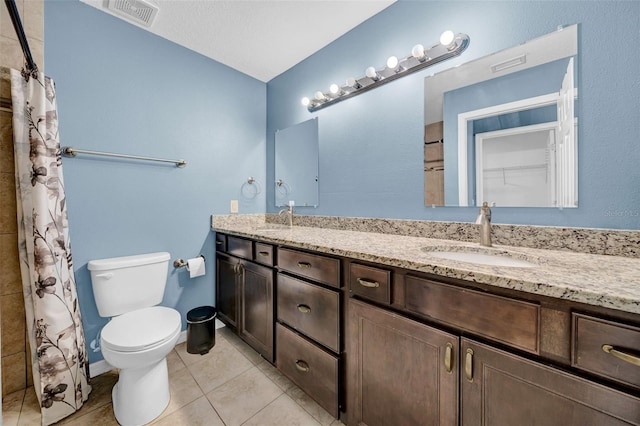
(184, 390)
(310, 406)
(102, 416)
(174, 362)
(30, 414)
(188, 359)
(197, 413)
(220, 367)
(275, 375)
(11, 406)
(242, 397)
(282, 411)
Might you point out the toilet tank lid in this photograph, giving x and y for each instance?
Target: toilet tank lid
(127, 261)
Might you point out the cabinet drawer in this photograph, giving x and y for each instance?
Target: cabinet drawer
(263, 254)
(509, 321)
(323, 269)
(310, 309)
(312, 369)
(221, 242)
(240, 247)
(621, 359)
(369, 282)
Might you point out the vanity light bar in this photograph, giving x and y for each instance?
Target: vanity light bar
(450, 45)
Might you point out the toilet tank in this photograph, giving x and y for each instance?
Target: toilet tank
(124, 284)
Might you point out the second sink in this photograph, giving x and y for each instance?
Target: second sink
(482, 256)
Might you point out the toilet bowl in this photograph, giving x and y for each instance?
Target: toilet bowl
(139, 335)
(137, 343)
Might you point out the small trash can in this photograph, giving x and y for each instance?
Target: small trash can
(201, 329)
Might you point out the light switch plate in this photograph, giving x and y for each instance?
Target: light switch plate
(234, 206)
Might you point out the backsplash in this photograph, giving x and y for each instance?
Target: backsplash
(610, 242)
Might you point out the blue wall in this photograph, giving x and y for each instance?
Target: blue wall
(122, 89)
(371, 150)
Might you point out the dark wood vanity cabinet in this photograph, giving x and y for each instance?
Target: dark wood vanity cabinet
(245, 292)
(400, 372)
(500, 388)
(308, 332)
(398, 347)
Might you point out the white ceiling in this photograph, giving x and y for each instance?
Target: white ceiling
(261, 38)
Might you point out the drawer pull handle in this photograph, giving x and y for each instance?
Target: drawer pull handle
(468, 365)
(302, 366)
(263, 253)
(305, 309)
(626, 357)
(367, 283)
(219, 243)
(448, 357)
(304, 265)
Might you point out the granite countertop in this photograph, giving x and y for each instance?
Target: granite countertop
(609, 281)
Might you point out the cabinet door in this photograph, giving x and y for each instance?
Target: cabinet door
(227, 290)
(499, 388)
(256, 324)
(400, 372)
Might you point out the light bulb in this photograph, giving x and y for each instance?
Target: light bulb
(371, 73)
(305, 101)
(392, 63)
(446, 38)
(418, 51)
(334, 89)
(319, 96)
(351, 82)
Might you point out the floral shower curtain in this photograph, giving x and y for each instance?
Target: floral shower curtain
(56, 336)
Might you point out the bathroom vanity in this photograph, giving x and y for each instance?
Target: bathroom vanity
(375, 327)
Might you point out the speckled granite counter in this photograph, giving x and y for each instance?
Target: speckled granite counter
(608, 281)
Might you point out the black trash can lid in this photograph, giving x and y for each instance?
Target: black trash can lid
(201, 313)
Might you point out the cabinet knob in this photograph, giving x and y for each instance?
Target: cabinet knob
(305, 309)
(302, 365)
(367, 283)
(626, 357)
(263, 253)
(304, 265)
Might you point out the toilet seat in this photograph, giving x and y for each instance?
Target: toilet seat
(141, 329)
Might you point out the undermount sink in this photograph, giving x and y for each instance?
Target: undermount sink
(483, 256)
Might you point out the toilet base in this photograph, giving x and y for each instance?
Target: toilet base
(141, 394)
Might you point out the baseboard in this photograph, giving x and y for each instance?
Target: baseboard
(100, 367)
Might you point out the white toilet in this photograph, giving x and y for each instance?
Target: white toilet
(140, 335)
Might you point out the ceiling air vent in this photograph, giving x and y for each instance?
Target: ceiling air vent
(138, 11)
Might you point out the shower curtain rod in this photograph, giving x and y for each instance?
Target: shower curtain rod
(22, 38)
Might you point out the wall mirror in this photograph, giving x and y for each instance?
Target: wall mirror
(503, 128)
(296, 164)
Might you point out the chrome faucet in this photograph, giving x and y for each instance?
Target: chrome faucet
(289, 212)
(484, 220)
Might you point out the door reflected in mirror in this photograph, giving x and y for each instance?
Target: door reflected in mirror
(503, 128)
(296, 165)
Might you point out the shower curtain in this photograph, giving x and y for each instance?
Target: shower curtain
(56, 337)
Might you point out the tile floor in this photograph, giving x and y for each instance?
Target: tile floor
(231, 385)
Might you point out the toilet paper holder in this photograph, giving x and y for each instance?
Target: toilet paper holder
(180, 263)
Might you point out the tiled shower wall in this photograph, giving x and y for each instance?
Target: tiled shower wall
(15, 372)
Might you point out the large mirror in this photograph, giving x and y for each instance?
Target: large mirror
(503, 128)
(296, 165)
